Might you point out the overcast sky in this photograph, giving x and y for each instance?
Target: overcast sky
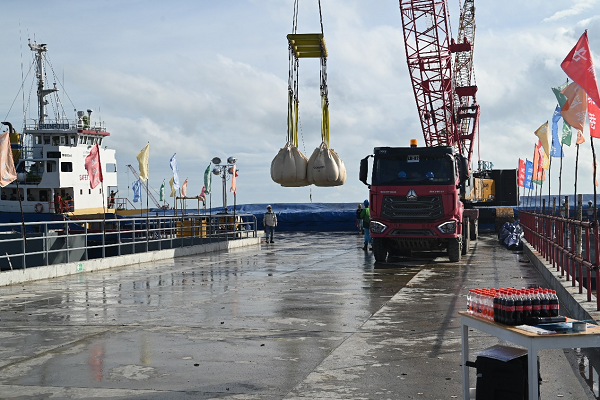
(209, 78)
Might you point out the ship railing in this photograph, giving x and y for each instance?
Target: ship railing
(64, 124)
(57, 242)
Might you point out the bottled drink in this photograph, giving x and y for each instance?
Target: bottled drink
(553, 303)
(502, 306)
(470, 301)
(510, 309)
(527, 307)
(536, 306)
(518, 314)
(544, 303)
(497, 306)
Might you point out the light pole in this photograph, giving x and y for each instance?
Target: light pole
(223, 170)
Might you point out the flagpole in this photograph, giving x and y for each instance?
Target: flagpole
(560, 173)
(576, 165)
(103, 218)
(21, 206)
(594, 183)
(549, 168)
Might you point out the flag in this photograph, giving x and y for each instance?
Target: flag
(580, 138)
(137, 191)
(579, 66)
(184, 188)
(207, 179)
(175, 169)
(556, 150)
(528, 184)
(94, 167)
(202, 192)
(143, 160)
(8, 173)
(173, 190)
(562, 99)
(234, 175)
(538, 164)
(593, 115)
(574, 110)
(542, 134)
(162, 191)
(521, 173)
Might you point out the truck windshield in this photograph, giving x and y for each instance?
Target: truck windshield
(414, 170)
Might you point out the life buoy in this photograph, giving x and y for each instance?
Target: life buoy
(39, 207)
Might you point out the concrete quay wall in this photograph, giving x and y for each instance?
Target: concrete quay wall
(78, 267)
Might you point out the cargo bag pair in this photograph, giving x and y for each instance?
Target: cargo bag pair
(502, 377)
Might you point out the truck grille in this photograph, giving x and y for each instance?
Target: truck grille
(411, 232)
(425, 208)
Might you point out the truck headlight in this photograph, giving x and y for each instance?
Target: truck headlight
(377, 227)
(448, 227)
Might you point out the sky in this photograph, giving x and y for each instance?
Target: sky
(203, 79)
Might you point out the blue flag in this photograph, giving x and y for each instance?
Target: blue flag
(556, 150)
(137, 191)
(528, 184)
(173, 164)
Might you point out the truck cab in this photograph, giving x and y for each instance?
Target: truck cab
(415, 199)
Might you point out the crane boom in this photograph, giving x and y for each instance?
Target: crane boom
(444, 96)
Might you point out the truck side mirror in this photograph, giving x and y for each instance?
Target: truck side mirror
(364, 170)
(464, 169)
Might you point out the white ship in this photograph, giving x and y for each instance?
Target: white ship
(49, 156)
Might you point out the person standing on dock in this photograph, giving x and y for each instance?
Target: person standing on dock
(359, 222)
(365, 215)
(269, 222)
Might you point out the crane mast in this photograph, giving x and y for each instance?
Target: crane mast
(445, 95)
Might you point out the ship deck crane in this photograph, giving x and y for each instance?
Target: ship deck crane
(144, 185)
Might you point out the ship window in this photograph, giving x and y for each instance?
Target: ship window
(72, 140)
(50, 166)
(46, 139)
(81, 191)
(66, 166)
(38, 139)
(63, 140)
(84, 139)
(55, 140)
(90, 191)
(111, 167)
(100, 142)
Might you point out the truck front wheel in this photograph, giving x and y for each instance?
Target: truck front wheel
(380, 250)
(455, 249)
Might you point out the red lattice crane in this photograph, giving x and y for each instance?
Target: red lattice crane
(444, 93)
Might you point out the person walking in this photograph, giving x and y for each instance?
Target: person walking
(269, 222)
(359, 222)
(365, 215)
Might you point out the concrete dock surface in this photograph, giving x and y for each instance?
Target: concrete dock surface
(308, 317)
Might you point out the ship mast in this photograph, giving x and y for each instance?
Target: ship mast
(40, 49)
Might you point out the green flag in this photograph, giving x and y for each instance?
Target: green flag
(562, 99)
(162, 191)
(207, 179)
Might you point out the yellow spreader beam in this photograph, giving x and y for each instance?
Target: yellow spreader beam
(308, 45)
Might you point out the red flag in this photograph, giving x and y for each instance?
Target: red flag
(93, 166)
(521, 173)
(538, 164)
(593, 115)
(579, 66)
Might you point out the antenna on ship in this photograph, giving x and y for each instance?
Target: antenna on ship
(40, 49)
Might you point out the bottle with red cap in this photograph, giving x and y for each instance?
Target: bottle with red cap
(553, 304)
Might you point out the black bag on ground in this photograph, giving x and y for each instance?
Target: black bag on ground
(502, 380)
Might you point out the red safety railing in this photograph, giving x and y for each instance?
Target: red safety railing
(570, 245)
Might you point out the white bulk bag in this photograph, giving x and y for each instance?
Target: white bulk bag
(288, 168)
(325, 168)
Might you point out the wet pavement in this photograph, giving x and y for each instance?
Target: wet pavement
(309, 317)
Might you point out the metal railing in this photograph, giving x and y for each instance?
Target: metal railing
(55, 242)
(570, 245)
